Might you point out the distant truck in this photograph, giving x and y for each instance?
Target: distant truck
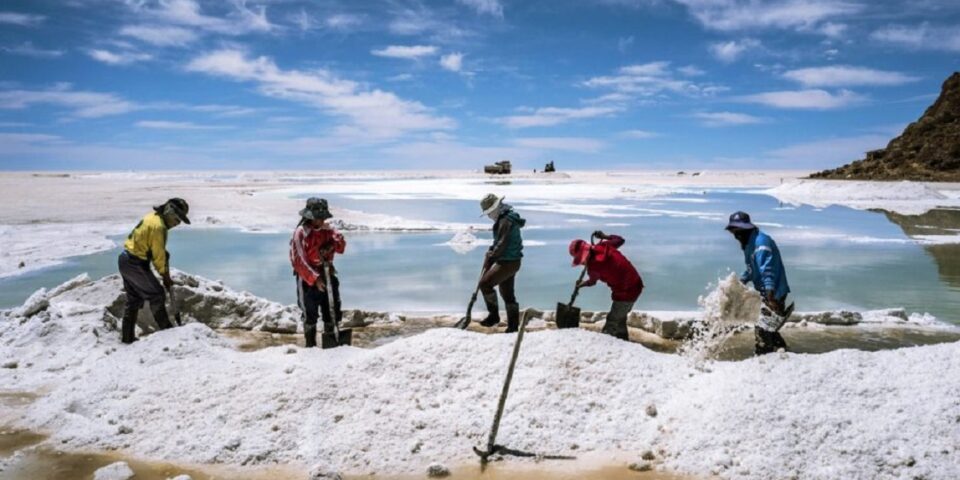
(549, 168)
(499, 168)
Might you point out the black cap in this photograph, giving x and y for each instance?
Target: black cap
(740, 221)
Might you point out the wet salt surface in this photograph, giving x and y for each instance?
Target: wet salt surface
(836, 258)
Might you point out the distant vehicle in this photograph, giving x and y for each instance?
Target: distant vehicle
(500, 168)
(549, 167)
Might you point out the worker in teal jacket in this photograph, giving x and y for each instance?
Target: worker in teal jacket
(765, 271)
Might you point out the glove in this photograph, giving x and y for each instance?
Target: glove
(167, 281)
(320, 286)
(599, 234)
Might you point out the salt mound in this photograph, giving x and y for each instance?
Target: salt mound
(184, 394)
(464, 242)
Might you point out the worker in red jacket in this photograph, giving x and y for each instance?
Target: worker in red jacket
(314, 243)
(604, 262)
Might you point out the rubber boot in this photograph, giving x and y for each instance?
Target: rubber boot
(513, 317)
(128, 327)
(778, 341)
(493, 309)
(160, 315)
(310, 335)
(765, 342)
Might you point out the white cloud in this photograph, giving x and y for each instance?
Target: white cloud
(452, 62)
(241, 20)
(27, 49)
(162, 36)
(805, 99)
(829, 152)
(800, 15)
(639, 134)
(920, 37)
(489, 7)
(168, 125)
(730, 51)
(121, 58)
(573, 144)
(22, 19)
(343, 21)
(412, 52)
(82, 104)
(549, 116)
(847, 76)
(726, 119)
(648, 80)
(691, 71)
(375, 111)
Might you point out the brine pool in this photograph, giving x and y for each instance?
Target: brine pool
(836, 257)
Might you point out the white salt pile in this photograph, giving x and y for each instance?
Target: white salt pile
(184, 394)
(465, 241)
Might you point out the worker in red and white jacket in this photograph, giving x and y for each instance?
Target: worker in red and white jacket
(314, 243)
(604, 262)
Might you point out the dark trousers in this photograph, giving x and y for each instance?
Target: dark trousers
(501, 275)
(140, 285)
(315, 304)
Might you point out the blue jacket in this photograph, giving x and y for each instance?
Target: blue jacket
(764, 266)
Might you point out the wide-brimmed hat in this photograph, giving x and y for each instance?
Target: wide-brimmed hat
(490, 203)
(178, 207)
(580, 251)
(316, 209)
(740, 221)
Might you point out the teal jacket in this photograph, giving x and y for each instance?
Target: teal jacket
(507, 241)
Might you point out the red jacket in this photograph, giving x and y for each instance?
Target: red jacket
(305, 247)
(607, 264)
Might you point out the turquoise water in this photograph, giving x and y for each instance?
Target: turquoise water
(835, 257)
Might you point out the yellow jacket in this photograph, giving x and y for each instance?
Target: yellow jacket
(148, 241)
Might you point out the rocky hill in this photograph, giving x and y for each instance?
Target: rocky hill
(928, 149)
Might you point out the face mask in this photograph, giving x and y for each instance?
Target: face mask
(171, 220)
(494, 215)
(743, 236)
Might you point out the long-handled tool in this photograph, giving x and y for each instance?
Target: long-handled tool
(338, 337)
(464, 322)
(174, 306)
(568, 316)
(492, 447)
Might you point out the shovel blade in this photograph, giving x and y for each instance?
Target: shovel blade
(462, 324)
(568, 316)
(329, 340)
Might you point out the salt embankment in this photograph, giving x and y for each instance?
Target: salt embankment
(908, 198)
(185, 394)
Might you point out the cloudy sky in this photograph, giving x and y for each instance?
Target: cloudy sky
(396, 84)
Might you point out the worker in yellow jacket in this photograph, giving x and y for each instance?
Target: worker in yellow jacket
(148, 243)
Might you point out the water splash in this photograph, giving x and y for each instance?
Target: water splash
(727, 309)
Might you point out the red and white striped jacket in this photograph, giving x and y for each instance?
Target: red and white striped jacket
(306, 247)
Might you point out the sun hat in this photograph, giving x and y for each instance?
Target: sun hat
(580, 251)
(740, 221)
(316, 209)
(490, 203)
(179, 207)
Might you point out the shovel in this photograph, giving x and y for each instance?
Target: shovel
(337, 337)
(568, 316)
(464, 322)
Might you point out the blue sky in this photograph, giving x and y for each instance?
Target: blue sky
(397, 84)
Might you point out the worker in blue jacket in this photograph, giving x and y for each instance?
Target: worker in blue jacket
(765, 270)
